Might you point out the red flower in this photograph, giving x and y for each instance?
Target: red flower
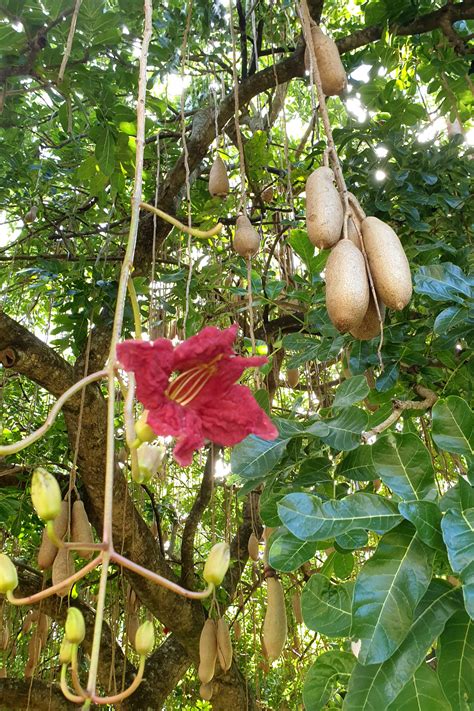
(202, 401)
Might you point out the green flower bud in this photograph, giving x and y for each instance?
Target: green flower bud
(45, 494)
(143, 431)
(150, 458)
(75, 627)
(217, 564)
(145, 639)
(65, 652)
(8, 574)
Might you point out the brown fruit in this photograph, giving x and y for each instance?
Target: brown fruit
(253, 547)
(237, 630)
(205, 691)
(324, 211)
(34, 649)
(31, 214)
(132, 624)
(352, 233)
(61, 522)
(4, 637)
(331, 69)
(388, 263)
(29, 669)
(207, 651)
(293, 377)
(218, 180)
(63, 567)
(274, 625)
(81, 530)
(27, 622)
(369, 326)
(224, 644)
(46, 553)
(3, 673)
(267, 195)
(42, 629)
(347, 286)
(296, 605)
(246, 239)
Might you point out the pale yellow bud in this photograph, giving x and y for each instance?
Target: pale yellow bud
(65, 652)
(217, 564)
(8, 574)
(75, 627)
(150, 458)
(145, 639)
(45, 494)
(143, 431)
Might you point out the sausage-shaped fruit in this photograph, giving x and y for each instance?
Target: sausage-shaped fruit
(370, 325)
(207, 651)
(331, 69)
(347, 286)
(388, 263)
(246, 239)
(275, 624)
(324, 211)
(218, 180)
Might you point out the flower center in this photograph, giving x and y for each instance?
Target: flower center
(188, 384)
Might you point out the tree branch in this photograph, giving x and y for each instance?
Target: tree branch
(199, 506)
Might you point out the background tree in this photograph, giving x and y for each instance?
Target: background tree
(369, 485)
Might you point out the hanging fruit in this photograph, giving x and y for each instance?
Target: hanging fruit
(370, 325)
(81, 530)
(331, 69)
(275, 624)
(218, 179)
(347, 286)
(253, 547)
(388, 263)
(224, 644)
(246, 239)
(324, 211)
(293, 377)
(207, 651)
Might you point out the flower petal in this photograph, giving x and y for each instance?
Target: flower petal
(228, 372)
(205, 346)
(173, 420)
(234, 416)
(152, 363)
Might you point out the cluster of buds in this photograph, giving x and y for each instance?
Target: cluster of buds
(150, 460)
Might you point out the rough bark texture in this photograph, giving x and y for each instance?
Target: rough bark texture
(31, 694)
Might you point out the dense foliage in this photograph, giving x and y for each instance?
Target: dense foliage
(369, 485)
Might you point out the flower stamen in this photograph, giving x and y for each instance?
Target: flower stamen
(188, 384)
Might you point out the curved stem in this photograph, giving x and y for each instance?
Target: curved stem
(55, 410)
(159, 580)
(65, 689)
(102, 700)
(75, 677)
(135, 307)
(184, 228)
(37, 597)
(52, 535)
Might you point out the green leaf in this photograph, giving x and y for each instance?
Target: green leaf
(387, 591)
(450, 317)
(345, 429)
(330, 672)
(404, 464)
(299, 241)
(254, 457)
(326, 607)
(310, 519)
(105, 149)
(426, 517)
(373, 687)
(453, 425)
(287, 553)
(423, 693)
(352, 540)
(455, 653)
(343, 565)
(358, 465)
(442, 282)
(351, 391)
(458, 534)
(312, 471)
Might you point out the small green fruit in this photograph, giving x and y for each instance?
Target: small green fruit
(145, 639)
(217, 564)
(45, 494)
(75, 627)
(8, 574)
